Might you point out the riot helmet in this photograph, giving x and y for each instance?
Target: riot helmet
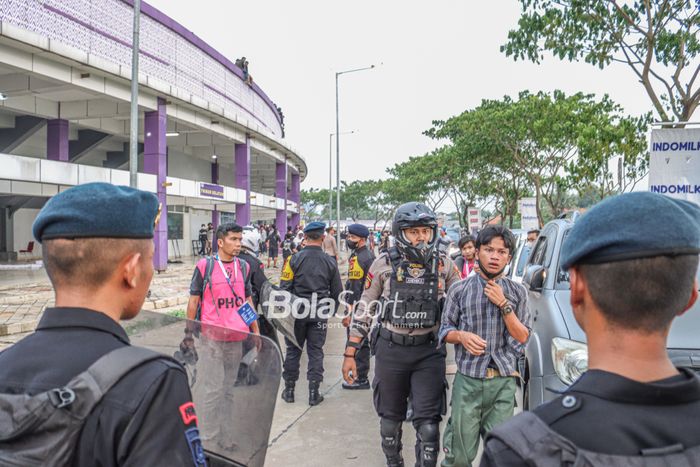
(415, 215)
(251, 239)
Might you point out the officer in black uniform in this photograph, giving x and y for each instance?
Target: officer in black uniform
(632, 262)
(98, 254)
(313, 275)
(358, 265)
(249, 252)
(411, 280)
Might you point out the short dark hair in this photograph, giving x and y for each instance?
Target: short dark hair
(535, 231)
(87, 262)
(492, 231)
(464, 240)
(224, 229)
(642, 294)
(314, 234)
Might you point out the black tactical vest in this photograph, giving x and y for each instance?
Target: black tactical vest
(413, 300)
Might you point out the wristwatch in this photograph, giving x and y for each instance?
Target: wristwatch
(354, 345)
(507, 309)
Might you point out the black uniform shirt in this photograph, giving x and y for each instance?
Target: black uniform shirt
(616, 415)
(311, 271)
(256, 274)
(358, 265)
(138, 422)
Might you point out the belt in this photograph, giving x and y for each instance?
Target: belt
(494, 373)
(406, 339)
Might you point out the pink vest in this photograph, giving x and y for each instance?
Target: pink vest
(221, 309)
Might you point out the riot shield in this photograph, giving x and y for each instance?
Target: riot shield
(234, 417)
(275, 304)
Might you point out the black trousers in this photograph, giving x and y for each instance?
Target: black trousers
(416, 371)
(313, 335)
(362, 356)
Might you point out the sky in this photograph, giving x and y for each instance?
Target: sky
(433, 60)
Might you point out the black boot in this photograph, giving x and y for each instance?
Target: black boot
(315, 396)
(288, 392)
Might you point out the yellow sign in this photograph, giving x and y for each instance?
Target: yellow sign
(287, 273)
(355, 271)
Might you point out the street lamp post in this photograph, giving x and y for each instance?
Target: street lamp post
(134, 128)
(330, 174)
(337, 147)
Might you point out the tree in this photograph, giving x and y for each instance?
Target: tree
(315, 198)
(656, 39)
(545, 143)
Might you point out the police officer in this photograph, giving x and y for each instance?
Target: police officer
(359, 263)
(632, 262)
(250, 245)
(98, 253)
(312, 275)
(411, 279)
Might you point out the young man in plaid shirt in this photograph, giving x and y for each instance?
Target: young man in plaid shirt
(486, 317)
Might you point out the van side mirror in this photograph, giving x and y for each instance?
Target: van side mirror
(534, 277)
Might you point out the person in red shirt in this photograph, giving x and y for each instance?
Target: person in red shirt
(467, 260)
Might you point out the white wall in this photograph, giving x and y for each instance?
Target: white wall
(196, 219)
(188, 167)
(22, 225)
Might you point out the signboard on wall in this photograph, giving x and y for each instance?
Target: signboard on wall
(674, 163)
(175, 222)
(211, 191)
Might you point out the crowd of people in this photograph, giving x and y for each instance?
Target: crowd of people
(403, 306)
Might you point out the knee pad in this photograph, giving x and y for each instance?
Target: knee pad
(429, 432)
(429, 441)
(390, 431)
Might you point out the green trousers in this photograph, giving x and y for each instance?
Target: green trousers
(478, 405)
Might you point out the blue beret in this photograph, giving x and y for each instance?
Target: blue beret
(97, 210)
(359, 230)
(631, 226)
(314, 226)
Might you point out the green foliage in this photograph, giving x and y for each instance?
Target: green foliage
(656, 39)
(548, 144)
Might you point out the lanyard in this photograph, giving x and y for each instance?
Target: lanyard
(239, 300)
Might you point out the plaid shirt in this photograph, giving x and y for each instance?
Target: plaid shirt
(467, 308)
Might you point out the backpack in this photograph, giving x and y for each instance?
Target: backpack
(44, 429)
(206, 282)
(538, 445)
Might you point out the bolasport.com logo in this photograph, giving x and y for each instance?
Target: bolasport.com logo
(281, 304)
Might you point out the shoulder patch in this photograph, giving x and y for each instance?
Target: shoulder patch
(368, 280)
(188, 413)
(287, 273)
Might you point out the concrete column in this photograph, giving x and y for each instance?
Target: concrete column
(155, 162)
(281, 192)
(57, 140)
(295, 196)
(242, 156)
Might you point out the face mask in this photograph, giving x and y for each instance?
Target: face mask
(352, 245)
(530, 244)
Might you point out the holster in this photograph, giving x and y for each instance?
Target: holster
(373, 337)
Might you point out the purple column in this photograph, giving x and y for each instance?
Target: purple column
(281, 192)
(155, 162)
(242, 156)
(57, 140)
(295, 196)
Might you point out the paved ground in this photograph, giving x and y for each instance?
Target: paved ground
(343, 430)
